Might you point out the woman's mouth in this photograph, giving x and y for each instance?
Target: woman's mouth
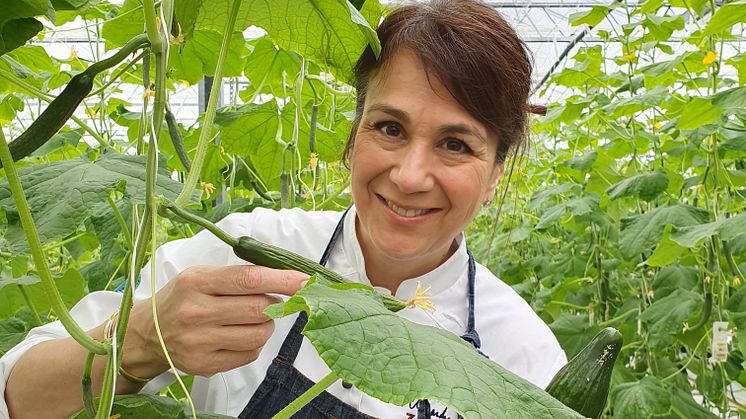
(403, 212)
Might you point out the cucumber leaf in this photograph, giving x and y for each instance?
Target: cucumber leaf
(641, 399)
(643, 231)
(399, 362)
(645, 185)
(63, 194)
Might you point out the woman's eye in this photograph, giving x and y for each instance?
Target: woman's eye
(389, 128)
(456, 146)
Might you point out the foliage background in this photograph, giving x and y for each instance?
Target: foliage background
(626, 209)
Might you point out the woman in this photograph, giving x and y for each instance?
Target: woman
(437, 114)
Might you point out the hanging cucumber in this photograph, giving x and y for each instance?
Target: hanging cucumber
(177, 140)
(63, 106)
(583, 384)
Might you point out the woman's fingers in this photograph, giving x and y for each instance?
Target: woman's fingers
(242, 338)
(239, 309)
(244, 279)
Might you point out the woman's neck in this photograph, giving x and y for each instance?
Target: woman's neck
(389, 273)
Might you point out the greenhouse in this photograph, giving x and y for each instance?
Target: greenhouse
(373, 208)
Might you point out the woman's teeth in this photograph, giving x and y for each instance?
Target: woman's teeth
(405, 213)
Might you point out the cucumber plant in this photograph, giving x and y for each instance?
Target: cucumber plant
(629, 211)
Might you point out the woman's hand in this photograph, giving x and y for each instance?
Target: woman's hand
(210, 317)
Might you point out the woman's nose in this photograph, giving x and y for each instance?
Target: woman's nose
(413, 172)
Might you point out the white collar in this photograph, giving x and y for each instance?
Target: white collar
(439, 279)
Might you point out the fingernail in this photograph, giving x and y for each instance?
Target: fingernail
(303, 284)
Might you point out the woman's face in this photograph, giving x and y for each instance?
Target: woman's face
(421, 166)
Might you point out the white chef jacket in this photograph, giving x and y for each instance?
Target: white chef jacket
(511, 333)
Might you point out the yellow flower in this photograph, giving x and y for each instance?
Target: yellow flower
(629, 57)
(313, 161)
(176, 40)
(658, 125)
(710, 58)
(421, 299)
(148, 93)
(209, 188)
(186, 83)
(73, 54)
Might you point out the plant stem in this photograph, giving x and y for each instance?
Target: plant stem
(306, 397)
(37, 253)
(207, 225)
(30, 305)
(121, 222)
(334, 196)
(90, 409)
(212, 103)
(122, 69)
(106, 398)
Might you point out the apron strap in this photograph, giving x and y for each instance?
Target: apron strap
(471, 335)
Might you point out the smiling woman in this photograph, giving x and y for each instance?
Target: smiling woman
(420, 169)
(437, 114)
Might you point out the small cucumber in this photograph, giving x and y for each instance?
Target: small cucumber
(258, 253)
(583, 384)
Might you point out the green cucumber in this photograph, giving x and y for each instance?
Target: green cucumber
(583, 384)
(63, 106)
(259, 253)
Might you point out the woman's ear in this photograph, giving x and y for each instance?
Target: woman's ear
(497, 173)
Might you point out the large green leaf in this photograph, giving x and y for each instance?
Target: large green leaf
(645, 185)
(698, 112)
(727, 228)
(644, 231)
(251, 131)
(63, 194)
(267, 67)
(685, 406)
(667, 251)
(591, 17)
(12, 331)
(666, 316)
(199, 57)
(70, 284)
(661, 27)
(582, 163)
(17, 24)
(731, 98)
(583, 205)
(573, 331)
(674, 277)
(640, 399)
(331, 33)
(103, 223)
(399, 362)
(727, 16)
(125, 24)
(636, 103)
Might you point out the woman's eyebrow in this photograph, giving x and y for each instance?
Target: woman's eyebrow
(462, 129)
(396, 113)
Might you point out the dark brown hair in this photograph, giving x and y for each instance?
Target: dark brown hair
(469, 47)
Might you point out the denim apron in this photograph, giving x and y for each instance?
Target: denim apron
(283, 383)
